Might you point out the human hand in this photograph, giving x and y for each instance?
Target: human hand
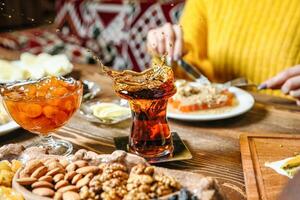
(288, 81)
(166, 39)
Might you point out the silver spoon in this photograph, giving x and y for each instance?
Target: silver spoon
(90, 90)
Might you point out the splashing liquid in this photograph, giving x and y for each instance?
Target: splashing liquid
(147, 93)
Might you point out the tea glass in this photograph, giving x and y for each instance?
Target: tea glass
(148, 93)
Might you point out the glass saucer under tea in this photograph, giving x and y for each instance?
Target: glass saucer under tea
(87, 112)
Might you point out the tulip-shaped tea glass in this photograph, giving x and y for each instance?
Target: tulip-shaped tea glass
(147, 93)
(43, 106)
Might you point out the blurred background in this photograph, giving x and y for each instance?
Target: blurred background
(114, 30)
(18, 14)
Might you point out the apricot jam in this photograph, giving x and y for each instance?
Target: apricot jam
(42, 106)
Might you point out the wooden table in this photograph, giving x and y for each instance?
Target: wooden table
(214, 145)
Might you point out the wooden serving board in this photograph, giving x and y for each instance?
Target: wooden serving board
(256, 149)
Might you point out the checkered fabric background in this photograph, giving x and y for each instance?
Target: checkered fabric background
(114, 30)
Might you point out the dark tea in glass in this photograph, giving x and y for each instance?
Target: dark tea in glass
(147, 93)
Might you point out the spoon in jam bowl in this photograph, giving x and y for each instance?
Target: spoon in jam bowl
(43, 106)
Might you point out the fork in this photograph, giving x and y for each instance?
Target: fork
(240, 82)
(200, 78)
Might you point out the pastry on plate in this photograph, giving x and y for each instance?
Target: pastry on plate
(192, 96)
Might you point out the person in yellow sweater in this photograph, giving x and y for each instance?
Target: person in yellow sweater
(226, 39)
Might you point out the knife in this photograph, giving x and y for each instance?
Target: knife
(200, 78)
(191, 70)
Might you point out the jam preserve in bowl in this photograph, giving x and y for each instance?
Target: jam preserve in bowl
(42, 106)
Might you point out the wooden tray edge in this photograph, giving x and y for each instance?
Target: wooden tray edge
(249, 176)
(253, 181)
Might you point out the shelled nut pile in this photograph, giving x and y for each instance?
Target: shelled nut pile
(139, 184)
(144, 184)
(109, 185)
(63, 180)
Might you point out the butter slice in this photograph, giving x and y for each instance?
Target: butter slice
(110, 111)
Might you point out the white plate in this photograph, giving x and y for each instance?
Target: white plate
(10, 126)
(245, 103)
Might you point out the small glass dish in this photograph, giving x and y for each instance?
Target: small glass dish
(87, 112)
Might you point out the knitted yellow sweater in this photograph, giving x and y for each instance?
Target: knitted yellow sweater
(241, 38)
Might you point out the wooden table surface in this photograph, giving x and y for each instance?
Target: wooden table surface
(214, 145)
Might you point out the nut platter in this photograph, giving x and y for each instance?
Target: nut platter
(116, 176)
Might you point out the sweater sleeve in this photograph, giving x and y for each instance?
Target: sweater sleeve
(195, 33)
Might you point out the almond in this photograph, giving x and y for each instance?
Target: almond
(58, 196)
(71, 167)
(58, 177)
(71, 196)
(80, 163)
(54, 171)
(76, 178)
(68, 188)
(32, 166)
(43, 184)
(46, 192)
(88, 169)
(69, 176)
(84, 189)
(26, 181)
(89, 175)
(46, 178)
(54, 165)
(48, 161)
(39, 172)
(64, 162)
(24, 174)
(83, 182)
(61, 184)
